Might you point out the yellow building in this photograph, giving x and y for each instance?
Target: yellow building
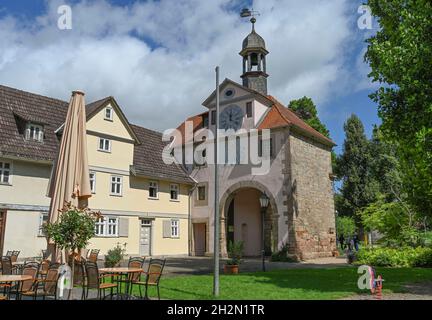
(144, 202)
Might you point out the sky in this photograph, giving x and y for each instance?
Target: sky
(157, 58)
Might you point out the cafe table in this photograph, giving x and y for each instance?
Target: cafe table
(10, 278)
(122, 271)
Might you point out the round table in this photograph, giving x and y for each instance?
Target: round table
(14, 278)
(122, 270)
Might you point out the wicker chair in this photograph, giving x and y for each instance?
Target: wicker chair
(93, 255)
(134, 262)
(153, 276)
(6, 265)
(43, 269)
(14, 256)
(29, 269)
(5, 287)
(95, 280)
(46, 287)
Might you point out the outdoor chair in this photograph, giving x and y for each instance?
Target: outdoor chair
(44, 254)
(93, 255)
(46, 287)
(6, 265)
(95, 280)
(14, 256)
(152, 277)
(5, 287)
(134, 262)
(43, 269)
(29, 269)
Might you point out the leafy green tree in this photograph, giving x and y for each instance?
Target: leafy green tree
(72, 231)
(354, 169)
(400, 56)
(306, 109)
(345, 226)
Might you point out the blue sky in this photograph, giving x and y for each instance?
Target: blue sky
(158, 57)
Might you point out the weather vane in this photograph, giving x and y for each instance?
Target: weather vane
(245, 13)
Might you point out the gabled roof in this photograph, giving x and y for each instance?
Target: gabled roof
(277, 116)
(197, 123)
(281, 116)
(17, 104)
(148, 158)
(235, 84)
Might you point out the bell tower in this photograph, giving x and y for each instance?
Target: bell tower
(254, 61)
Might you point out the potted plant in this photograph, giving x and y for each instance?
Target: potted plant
(235, 253)
(115, 255)
(72, 231)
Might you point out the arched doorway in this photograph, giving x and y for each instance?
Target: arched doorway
(244, 221)
(241, 219)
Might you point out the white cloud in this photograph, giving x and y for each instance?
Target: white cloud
(111, 51)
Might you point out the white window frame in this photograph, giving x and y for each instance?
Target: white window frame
(174, 187)
(205, 193)
(110, 118)
(3, 170)
(92, 179)
(116, 180)
(43, 217)
(175, 228)
(105, 225)
(104, 145)
(37, 134)
(153, 184)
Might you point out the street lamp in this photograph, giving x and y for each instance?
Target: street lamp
(264, 202)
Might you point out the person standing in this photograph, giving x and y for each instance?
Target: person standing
(356, 243)
(342, 241)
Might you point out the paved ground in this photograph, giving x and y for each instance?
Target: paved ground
(204, 265)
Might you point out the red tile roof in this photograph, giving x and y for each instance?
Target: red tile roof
(281, 116)
(276, 117)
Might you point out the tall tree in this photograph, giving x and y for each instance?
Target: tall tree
(400, 55)
(354, 169)
(306, 109)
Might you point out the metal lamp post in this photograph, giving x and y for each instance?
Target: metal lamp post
(264, 202)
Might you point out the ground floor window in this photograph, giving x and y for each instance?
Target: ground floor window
(5, 172)
(43, 219)
(107, 227)
(175, 228)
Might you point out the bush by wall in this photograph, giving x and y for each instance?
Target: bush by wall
(391, 257)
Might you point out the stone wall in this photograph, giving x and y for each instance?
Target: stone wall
(311, 218)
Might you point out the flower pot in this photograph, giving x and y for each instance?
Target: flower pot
(231, 269)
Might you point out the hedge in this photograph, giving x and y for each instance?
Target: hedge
(391, 257)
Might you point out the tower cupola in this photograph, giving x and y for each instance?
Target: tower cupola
(254, 54)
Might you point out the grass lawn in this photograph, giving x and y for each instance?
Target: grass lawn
(317, 284)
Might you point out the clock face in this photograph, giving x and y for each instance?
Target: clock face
(231, 118)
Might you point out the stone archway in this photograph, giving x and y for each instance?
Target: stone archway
(271, 215)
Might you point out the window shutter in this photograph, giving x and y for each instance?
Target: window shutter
(40, 136)
(167, 228)
(178, 228)
(123, 227)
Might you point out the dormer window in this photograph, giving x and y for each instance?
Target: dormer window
(34, 132)
(108, 113)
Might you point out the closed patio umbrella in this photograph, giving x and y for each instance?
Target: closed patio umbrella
(70, 177)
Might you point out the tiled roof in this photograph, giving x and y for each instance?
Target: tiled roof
(148, 158)
(277, 116)
(15, 104)
(280, 116)
(17, 107)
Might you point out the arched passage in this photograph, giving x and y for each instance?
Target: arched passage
(241, 218)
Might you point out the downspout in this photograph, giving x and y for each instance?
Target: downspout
(190, 220)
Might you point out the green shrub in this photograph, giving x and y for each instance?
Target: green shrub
(235, 252)
(282, 255)
(392, 257)
(115, 256)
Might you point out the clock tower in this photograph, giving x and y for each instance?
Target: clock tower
(254, 61)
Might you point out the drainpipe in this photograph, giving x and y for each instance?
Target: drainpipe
(190, 220)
